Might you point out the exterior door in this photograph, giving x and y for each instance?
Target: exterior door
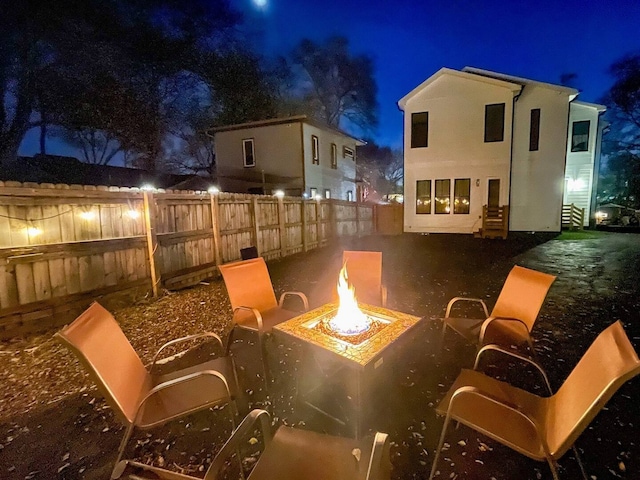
(493, 197)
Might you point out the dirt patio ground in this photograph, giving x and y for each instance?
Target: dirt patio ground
(53, 423)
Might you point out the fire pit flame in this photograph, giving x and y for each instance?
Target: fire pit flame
(349, 320)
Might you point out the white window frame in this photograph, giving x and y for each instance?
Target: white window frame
(334, 156)
(349, 195)
(315, 149)
(245, 142)
(327, 193)
(348, 152)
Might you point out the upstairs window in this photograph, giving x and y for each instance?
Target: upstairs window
(248, 153)
(313, 192)
(494, 122)
(534, 130)
(461, 195)
(443, 196)
(423, 196)
(419, 129)
(580, 136)
(315, 150)
(350, 195)
(347, 153)
(334, 156)
(327, 193)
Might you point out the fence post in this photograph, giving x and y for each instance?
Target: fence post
(357, 220)
(305, 240)
(256, 225)
(152, 240)
(281, 226)
(332, 219)
(215, 227)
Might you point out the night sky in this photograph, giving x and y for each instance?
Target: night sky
(411, 39)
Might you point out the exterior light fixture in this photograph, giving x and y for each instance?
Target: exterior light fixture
(133, 214)
(305, 195)
(213, 190)
(87, 215)
(147, 187)
(318, 197)
(33, 231)
(278, 193)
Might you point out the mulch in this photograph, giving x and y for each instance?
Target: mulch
(54, 424)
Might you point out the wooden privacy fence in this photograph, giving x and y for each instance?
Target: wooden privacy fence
(62, 246)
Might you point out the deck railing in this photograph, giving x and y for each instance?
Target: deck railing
(495, 221)
(572, 217)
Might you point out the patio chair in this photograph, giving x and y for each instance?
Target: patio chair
(253, 300)
(139, 397)
(365, 273)
(513, 315)
(291, 454)
(542, 428)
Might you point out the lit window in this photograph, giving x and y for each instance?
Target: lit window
(494, 122)
(315, 150)
(350, 195)
(313, 192)
(580, 136)
(442, 198)
(419, 129)
(461, 195)
(334, 156)
(327, 193)
(248, 152)
(423, 196)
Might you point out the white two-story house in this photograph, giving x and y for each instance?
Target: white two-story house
(298, 155)
(475, 138)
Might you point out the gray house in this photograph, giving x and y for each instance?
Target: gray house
(295, 154)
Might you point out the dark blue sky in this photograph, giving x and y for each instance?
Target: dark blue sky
(411, 39)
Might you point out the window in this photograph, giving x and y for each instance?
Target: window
(313, 192)
(334, 156)
(494, 122)
(347, 152)
(580, 136)
(443, 196)
(248, 152)
(419, 129)
(461, 195)
(315, 150)
(327, 193)
(534, 130)
(423, 196)
(349, 195)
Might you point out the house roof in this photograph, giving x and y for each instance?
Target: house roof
(513, 86)
(597, 106)
(283, 120)
(572, 92)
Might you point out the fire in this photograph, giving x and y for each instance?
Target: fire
(349, 320)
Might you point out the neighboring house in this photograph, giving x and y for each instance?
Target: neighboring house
(296, 154)
(583, 157)
(476, 138)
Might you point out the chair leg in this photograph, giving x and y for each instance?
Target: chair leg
(123, 444)
(265, 364)
(439, 448)
(579, 460)
(442, 335)
(554, 468)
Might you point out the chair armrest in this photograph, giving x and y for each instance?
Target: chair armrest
(301, 295)
(208, 335)
(256, 314)
(497, 348)
(379, 459)
(245, 428)
(466, 299)
(176, 381)
(488, 321)
(474, 391)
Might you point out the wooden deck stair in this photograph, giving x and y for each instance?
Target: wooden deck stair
(495, 222)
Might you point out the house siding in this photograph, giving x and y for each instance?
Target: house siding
(537, 176)
(277, 151)
(322, 177)
(457, 149)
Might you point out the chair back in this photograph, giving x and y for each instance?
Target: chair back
(609, 362)
(249, 284)
(102, 348)
(364, 270)
(522, 295)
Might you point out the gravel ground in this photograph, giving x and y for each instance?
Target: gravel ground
(53, 423)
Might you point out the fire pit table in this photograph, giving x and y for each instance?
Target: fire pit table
(346, 362)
